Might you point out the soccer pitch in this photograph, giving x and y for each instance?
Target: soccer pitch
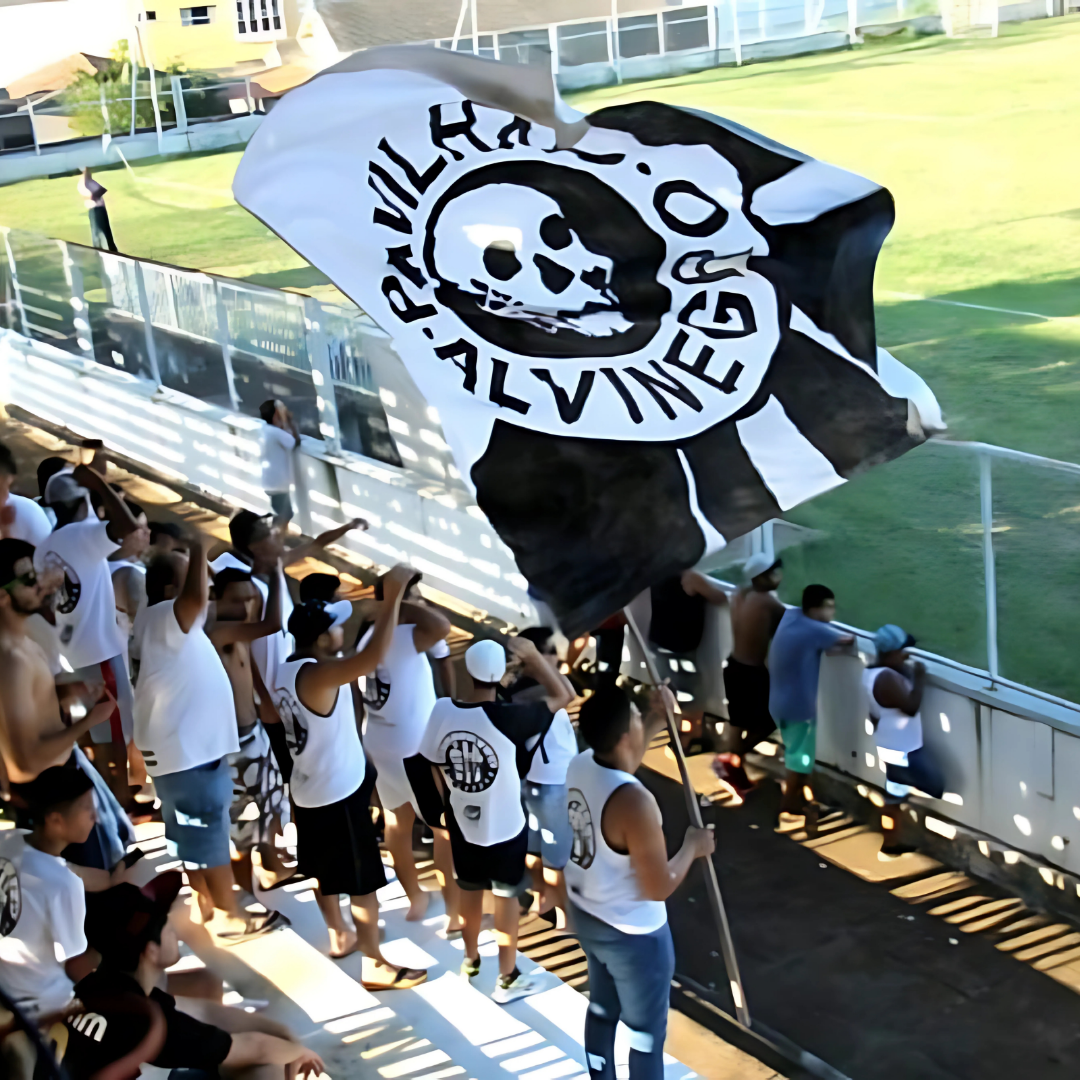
(978, 289)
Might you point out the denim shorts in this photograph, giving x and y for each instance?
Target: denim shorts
(195, 808)
(548, 811)
(281, 504)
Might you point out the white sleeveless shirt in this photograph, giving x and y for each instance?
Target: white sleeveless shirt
(897, 734)
(328, 760)
(600, 880)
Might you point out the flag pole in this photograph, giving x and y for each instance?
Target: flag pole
(712, 883)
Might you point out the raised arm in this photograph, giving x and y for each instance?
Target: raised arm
(429, 626)
(193, 598)
(560, 692)
(632, 820)
(317, 683)
(234, 630)
(322, 541)
(892, 691)
(696, 584)
(121, 521)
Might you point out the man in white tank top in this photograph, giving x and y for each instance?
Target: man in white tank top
(331, 780)
(618, 878)
(398, 699)
(895, 690)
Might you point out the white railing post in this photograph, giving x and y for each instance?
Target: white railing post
(15, 284)
(178, 103)
(475, 29)
(33, 125)
(660, 31)
(986, 506)
(134, 83)
(853, 21)
(714, 16)
(226, 345)
(553, 45)
(737, 42)
(148, 325)
(322, 374)
(106, 124)
(458, 26)
(613, 41)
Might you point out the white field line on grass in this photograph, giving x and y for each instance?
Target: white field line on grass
(222, 193)
(979, 307)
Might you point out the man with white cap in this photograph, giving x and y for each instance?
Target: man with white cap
(331, 780)
(755, 614)
(481, 750)
(90, 638)
(895, 690)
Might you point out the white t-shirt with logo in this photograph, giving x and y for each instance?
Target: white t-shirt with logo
(31, 523)
(184, 710)
(482, 749)
(277, 447)
(85, 603)
(398, 696)
(42, 911)
(328, 760)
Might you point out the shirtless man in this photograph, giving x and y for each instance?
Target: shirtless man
(755, 614)
(33, 735)
(256, 779)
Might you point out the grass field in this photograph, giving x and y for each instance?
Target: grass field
(977, 140)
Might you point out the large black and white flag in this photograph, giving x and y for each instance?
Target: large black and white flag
(645, 330)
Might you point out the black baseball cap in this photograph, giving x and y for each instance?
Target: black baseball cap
(310, 620)
(13, 556)
(121, 921)
(244, 526)
(319, 587)
(56, 786)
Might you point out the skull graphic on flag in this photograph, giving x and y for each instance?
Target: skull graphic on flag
(646, 331)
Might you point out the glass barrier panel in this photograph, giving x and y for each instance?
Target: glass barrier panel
(44, 290)
(1036, 518)
(268, 347)
(110, 300)
(901, 544)
(15, 130)
(639, 36)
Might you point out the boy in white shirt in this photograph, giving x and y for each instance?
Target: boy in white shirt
(42, 903)
(280, 438)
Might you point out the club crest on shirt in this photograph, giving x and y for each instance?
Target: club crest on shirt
(289, 710)
(10, 897)
(469, 761)
(67, 596)
(584, 848)
(376, 688)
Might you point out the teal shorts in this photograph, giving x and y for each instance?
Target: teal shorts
(800, 744)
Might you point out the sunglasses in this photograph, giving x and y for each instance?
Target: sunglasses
(28, 579)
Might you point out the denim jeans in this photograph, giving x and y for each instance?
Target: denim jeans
(629, 980)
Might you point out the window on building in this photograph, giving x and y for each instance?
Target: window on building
(257, 16)
(151, 16)
(196, 16)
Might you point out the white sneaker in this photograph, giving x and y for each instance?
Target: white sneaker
(522, 986)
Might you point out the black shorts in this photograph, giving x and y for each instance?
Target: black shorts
(337, 844)
(500, 867)
(747, 690)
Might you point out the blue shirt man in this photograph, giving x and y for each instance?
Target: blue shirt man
(794, 662)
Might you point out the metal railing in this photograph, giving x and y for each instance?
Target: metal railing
(159, 104)
(226, 343)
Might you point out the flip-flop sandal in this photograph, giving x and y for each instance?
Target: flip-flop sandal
(255, 927)
(291, 880)
(404, 979)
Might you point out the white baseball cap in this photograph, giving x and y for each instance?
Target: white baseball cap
(759, 564)
(485, 661)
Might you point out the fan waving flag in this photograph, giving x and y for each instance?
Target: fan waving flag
(646, 331)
